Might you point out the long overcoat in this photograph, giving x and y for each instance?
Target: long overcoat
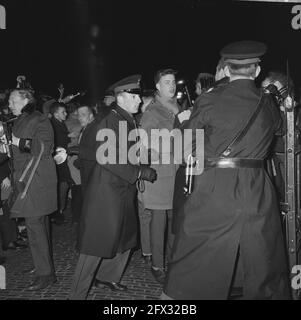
(41, 198)
(109, 217)
(231, 209)
(159, 195)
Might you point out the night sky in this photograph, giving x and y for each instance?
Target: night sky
(55, 41)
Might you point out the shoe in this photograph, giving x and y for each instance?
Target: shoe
(2, 260)
(158, 274)
(114, 286)
(29, 271)
(147, 259)
(42, 282)
(14, 245)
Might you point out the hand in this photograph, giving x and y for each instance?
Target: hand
(60, 155)
(147, 173)
(288, 103)
(3, 139)
(15, 141)
(2, 148)
(184, 115)
(5, 184)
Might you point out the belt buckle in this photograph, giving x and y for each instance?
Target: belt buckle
(226, 163)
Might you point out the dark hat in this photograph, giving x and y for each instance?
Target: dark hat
(243, 52)
(129, 84)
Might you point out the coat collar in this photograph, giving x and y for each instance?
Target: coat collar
(242, 84)
(124, 114)
(57, 122)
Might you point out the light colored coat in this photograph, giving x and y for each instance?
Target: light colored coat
(159, 195)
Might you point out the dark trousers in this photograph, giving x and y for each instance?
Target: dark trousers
(38, 233)
(161, 220)
(76, 206)
(76, 202)
(110, 270)
(145, 216)
(8, 228)
(63, 188)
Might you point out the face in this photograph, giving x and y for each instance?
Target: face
(130, 102)
(198, 88)
(84, 116)
(108, 100)
(167, 86)
(61, 114)
(16, 103)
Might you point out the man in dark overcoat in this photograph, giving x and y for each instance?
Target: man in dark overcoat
(88, 146)
(232, 211)
(109, 218)
(32, 146)
(61, 140)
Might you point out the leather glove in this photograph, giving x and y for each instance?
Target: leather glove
(147, 173)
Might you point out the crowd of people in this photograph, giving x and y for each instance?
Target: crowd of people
(224, 234)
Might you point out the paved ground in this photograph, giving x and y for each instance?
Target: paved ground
(137, 277)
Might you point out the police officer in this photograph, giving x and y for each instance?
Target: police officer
(232, 213)
(109, 219)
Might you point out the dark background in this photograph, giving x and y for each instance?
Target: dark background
(52, 42)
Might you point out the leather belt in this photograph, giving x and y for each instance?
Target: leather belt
(233, 163)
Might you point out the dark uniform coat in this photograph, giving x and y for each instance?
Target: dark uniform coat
(179, 197)
(231, 209)
(109, 217)
(41, 198)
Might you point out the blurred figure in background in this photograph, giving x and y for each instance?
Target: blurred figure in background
(61, 140)
(74, 129)
(8, 227)
(203, 82)
(85, 161)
